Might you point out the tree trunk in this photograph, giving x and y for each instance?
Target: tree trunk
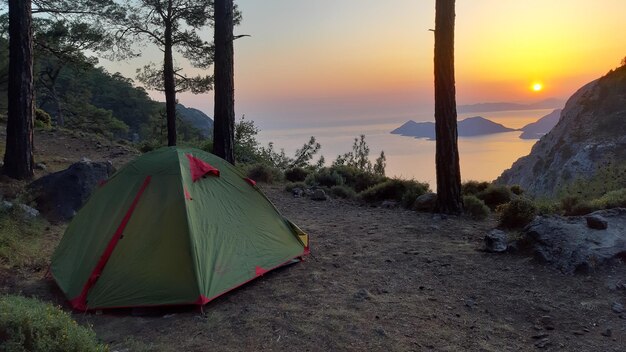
(447, 151)
(224, 113)
(18, 156)
(169, 85)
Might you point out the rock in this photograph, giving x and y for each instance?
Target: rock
(568, 244)
(607, 333)
(61, 194)
(543, 343)
(297, 192)
(596, 222)
(496, 241)
(41, 166)
(617, 307)
(5, 205)
(389, 204)
(29, 213)
(319, 195)
(362, 295)
(585, 139)
(425, 202)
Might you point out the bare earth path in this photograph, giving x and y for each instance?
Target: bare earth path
(391, 280)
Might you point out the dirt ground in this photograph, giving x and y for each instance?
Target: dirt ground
(377, 280)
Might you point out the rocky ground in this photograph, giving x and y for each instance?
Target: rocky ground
(377, 280)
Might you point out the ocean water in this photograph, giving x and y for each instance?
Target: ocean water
(482, 158)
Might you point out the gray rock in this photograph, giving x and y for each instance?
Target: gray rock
(5, 205)
(297, 192)
(61, 194)
(389, 204)
(41, 166)
(617, 307)
(597, 222)
(584, 140)
(425, 202)
(28, 212)
(319, 195)
(496, 241)
(568, 244)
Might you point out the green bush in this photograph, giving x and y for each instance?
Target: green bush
(42, 119)
(292, 185)
(325, 178)
(356, 179)
(296, 174)
(264, 173)
(495, 195)
(472, 188)
(343, 192)
(27, 324)
(475, 208)
(547, 207)
(613, 199)
(409, 197)
(393, 189)
(517, 190)
(517, 213)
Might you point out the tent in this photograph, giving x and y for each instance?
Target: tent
(174, 226)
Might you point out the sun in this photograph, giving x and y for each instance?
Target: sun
(536, 87)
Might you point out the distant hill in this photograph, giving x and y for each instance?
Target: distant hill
(551, 103)
(471, 126)
(542, 126)
(197, 119)
(588, 140)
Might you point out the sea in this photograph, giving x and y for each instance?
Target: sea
(482, 158)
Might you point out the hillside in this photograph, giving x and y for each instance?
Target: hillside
(589, 138)
(196, 118)
(471, 126)
(542, 126)
(504, 106)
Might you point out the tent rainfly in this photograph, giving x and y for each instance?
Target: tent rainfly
(175, 226)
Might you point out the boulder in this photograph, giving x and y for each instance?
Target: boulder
(596, 222)
(61, 194)
(567, 243)
(425, 202)
(319, 195)
(28, 213)
(297, 192)
(496, 241)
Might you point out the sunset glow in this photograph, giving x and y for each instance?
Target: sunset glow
(537, 87)
(365, 59)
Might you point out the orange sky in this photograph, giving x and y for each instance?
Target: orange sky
(335, 60)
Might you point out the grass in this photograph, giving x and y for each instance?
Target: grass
(21, 240)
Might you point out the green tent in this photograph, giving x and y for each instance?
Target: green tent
(174, 226)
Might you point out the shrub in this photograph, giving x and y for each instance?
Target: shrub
(517, 213)
(472, 188)
(517, 190)
(264, 173)
(293, 185)
(409, 197)
(356, 179)
(613, 199)
(343, 192)
(296, 174)
(475, 208)
(547, 207)
(27, 324)
(495, 195)
(325, 177)
(42, 119)
(393, 189)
